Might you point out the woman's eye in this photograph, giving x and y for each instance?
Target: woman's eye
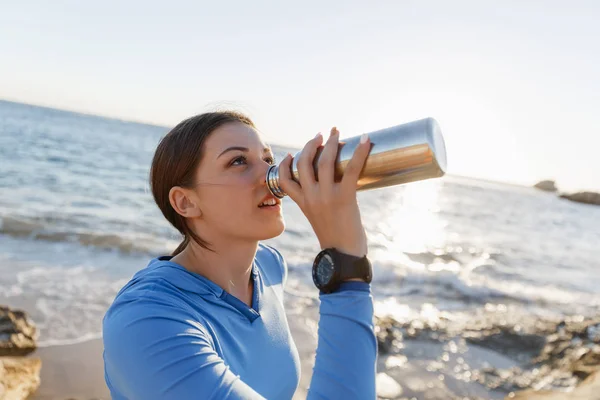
(242, 160)
(239, 160)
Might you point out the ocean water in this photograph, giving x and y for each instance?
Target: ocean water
(77, 220)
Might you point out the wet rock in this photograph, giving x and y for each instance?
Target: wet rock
(587, 390)
(550, 354)
(19, 377)
(572, 348)
(548, 186)
(593, 333)
(507, 341)
(391, 333)
(395, 361)
(387, 387)
(18, 334)
(568, 357)
(583, 197)
(388, 335)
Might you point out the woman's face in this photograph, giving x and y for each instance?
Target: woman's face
(231, 185)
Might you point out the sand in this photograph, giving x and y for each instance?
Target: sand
(72, 372)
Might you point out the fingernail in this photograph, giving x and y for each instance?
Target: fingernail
(363, 138)
(318, 134)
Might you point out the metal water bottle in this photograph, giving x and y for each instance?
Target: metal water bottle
(404, 153)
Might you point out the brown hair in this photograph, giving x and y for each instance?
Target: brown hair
(176, 159)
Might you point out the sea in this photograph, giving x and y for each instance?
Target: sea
(77, 220)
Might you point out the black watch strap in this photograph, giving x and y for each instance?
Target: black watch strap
(352, 267)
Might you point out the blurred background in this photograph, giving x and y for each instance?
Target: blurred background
(485, 286)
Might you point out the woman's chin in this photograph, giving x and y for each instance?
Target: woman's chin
(273, 230)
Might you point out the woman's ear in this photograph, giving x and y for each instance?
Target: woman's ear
(184, 202)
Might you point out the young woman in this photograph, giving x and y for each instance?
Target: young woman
(208, 321)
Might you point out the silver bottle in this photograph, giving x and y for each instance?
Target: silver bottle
(404, 153)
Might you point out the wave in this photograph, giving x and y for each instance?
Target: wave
(66, 342)
(470, 277)
(447, 285)
(125, 242)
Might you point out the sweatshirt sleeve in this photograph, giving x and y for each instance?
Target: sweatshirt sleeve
(157, 351)
(345, 364)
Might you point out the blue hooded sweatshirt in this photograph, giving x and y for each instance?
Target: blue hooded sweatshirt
(173, 334)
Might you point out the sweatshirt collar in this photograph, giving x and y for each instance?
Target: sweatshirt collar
(192, 282)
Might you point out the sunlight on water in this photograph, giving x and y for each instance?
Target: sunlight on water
(411, 222)
(390, 307)
(401, 312)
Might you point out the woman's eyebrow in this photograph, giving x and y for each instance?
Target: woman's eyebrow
(244, 149)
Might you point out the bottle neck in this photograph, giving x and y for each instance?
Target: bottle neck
(273, 182)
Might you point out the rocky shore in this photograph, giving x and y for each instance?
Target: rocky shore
(552, 359)
(19, 375)
(578, 197)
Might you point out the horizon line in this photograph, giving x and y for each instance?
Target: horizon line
(133, 121)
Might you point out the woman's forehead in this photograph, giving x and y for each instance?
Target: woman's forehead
(234, 134)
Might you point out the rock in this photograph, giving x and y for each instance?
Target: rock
(18, 334)
(547, 186)
(395, 361)
(19, 377)
(587, 390)
(583, 197)
(569, 356)
(387, 387)
(549, 353)
(505, 340)
(388, 335)
(593, 333)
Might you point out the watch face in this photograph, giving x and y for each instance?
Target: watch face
(324, 270)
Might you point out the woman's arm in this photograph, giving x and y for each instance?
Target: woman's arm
(345, 364)
(153, 350)
(347, 347)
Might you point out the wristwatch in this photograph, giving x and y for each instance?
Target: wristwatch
(332, 267)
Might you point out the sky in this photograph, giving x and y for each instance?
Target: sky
(514, 85)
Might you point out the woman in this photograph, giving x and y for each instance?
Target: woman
(208, 321)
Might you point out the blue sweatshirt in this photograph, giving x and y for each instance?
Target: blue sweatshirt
(173, 334)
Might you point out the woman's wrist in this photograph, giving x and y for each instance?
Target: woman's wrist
(355, 280)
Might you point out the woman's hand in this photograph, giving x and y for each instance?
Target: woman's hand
(331, 207)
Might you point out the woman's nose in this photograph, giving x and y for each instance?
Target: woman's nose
(262, 174)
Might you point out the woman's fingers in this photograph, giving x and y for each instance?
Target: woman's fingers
(289, 186)
(326, 166)
(330, 207)
(356, 163)
(305, 163)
